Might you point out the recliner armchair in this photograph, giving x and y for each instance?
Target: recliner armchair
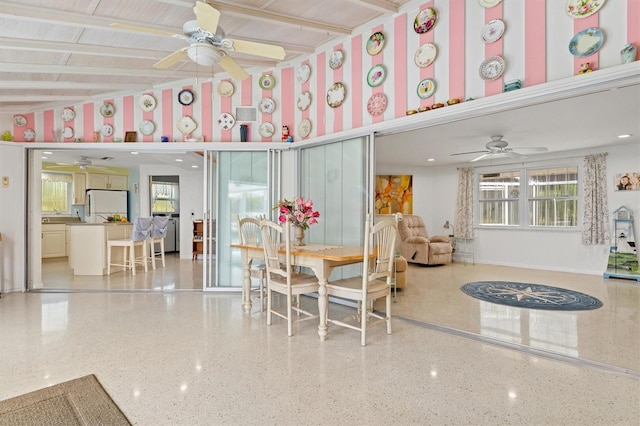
(417, 247)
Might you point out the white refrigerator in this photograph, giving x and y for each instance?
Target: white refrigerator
(101, 204)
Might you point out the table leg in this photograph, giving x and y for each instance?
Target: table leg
(323, 304)
(246, 281)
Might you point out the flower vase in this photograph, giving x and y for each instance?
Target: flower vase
(298, 234)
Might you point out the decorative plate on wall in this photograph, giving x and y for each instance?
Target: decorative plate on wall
(303, 73)
(267, 106)
(304, 101)
(425, 20)
(336, 95)
(376, 75)
(226, 120)
(67, 132)
(304, 129)
(335, 59)
(492, 68)
(425, 55)
(377, 104)
(225, 88)
(147, 127)
(29, 135)
(107, 130)
(586, 42)
(20, 120)
(266, 130)
(375, 44)
(185, 97)
(426, 88)
(493, 31)
(489, 3)
(579, 9)
(68, 114)
(107, 109)
(186, 125)
(267, 82)
(147, 103)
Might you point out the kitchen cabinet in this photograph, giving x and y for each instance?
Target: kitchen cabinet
(79, 188)
(88, 246)
(105, 181)
(54, 240)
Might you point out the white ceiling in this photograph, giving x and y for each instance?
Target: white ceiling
(66, 50)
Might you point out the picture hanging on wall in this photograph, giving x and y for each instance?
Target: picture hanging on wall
(394, 194)
(629, 181)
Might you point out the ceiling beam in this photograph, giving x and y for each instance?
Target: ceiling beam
(75, 69)
(42, 98)
(83, 49)
(256, 14)
(71, 85)
(58, 17)
(377, 5)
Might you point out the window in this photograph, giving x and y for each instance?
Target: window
(498, 197)
(551, 198)
(56, 192)
(165, 197)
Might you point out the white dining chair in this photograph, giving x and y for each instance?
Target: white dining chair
(140, 235)
(376, 280)
(281, 277)
(158, 234)
(249, 234)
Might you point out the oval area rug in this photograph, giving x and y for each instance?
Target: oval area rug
(530, 296)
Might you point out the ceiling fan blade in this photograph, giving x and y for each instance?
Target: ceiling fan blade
(258, 49)
(144, 29)
(232, 67)
(470, 152)
(207, 17)
(485, 155)
(173, 58)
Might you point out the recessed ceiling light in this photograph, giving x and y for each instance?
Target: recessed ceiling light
(194, 167)
(134, 152)
(179, 159)
(47, 152)
(44, 158)
(431, 159)
(624, 136)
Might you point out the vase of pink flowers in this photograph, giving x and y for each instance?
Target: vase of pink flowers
(300, 214)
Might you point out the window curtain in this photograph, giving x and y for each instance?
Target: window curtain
(595, 223)
(464, 205)
(57, 177)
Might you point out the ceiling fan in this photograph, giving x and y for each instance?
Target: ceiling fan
(208, 44)
(83, 163)
(499, 148)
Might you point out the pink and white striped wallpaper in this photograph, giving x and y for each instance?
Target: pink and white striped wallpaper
(534, 46)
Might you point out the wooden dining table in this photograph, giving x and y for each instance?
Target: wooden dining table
(320, 258)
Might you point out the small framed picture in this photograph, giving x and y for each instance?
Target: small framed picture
(131, 136)
(629, 181)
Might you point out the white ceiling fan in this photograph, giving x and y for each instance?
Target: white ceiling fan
(208, 44)
(499, 148)
(84, 163)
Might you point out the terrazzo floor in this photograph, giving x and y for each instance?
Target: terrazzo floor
(172, 357)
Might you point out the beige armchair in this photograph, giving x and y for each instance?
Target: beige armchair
(417, 247)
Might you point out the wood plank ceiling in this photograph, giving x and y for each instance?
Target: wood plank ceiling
(66, 51)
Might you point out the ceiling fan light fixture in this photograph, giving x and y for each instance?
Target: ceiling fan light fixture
(203, 54)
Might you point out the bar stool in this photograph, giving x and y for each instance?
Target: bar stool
(158, 233)
(139, 235)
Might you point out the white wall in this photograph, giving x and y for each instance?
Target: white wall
(435, 191)
(12, 218)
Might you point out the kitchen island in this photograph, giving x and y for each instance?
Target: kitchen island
(88, 245)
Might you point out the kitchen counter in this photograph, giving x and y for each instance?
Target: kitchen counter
(88, 245)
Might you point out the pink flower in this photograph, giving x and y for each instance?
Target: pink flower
(299, 212)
